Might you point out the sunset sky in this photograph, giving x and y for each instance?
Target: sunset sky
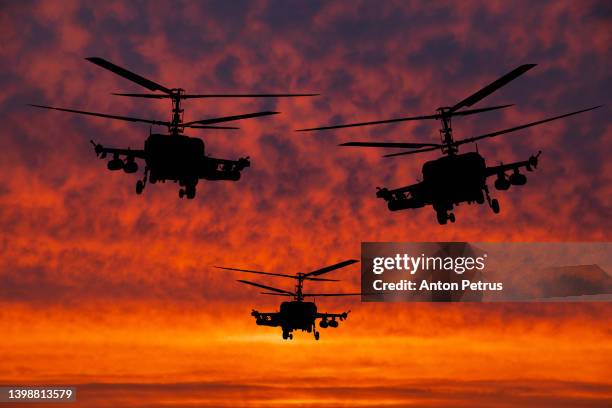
(115, 293)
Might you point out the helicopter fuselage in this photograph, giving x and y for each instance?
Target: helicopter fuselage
(454, 179)
(294, 315)
(447, 181)
(182, 158)
(298, 315)
(176, 158)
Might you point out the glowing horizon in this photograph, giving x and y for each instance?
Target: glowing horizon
(116, 292)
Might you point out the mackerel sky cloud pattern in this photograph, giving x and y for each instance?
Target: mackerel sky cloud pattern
(78, 245)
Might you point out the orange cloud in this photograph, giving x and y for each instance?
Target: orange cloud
(98, 285)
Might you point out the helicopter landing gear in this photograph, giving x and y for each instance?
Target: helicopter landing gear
(287, 335)
(495, 206)
(316, 335)
(493, 203)
(140, 184)
(189, 191)
(480, 199)
(443, 217)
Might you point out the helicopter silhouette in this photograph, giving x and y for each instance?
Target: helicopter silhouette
(298, 314)
(454, 178)
(173, 156)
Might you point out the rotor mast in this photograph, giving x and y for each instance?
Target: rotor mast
(299, 296)
(175, 127)
(446, 132)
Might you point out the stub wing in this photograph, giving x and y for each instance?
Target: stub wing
(412, 196)
(223, 169)
(398, 193)
(239, 164)
(330, 319)
(102, 151)
(339, 316)
(266, 319)
(528, 164)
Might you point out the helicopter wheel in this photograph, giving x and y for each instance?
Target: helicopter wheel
(451, 217)
(139, 187)
(480, 199)
(181, 193)
(291, 337)
(442, 217)
(316, 335)
(495, 206)
(190, 193)
(285, 335)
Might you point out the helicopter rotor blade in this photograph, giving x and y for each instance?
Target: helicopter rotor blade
(376, 122)
(230, 118)
(285, 95)
(429, 149)
(257, 272)
(423, 117)
(330, 268)
(104, 115)
(404, 145)
(275, 294)
(139, 95)
(276, 274)
(266, 287)
(194, 96)
(330, 294)
(210, 127)
(140, 80)
(480, 110)
(493, 86)
(514, 129)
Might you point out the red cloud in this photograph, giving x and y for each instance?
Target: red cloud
(76, 236)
